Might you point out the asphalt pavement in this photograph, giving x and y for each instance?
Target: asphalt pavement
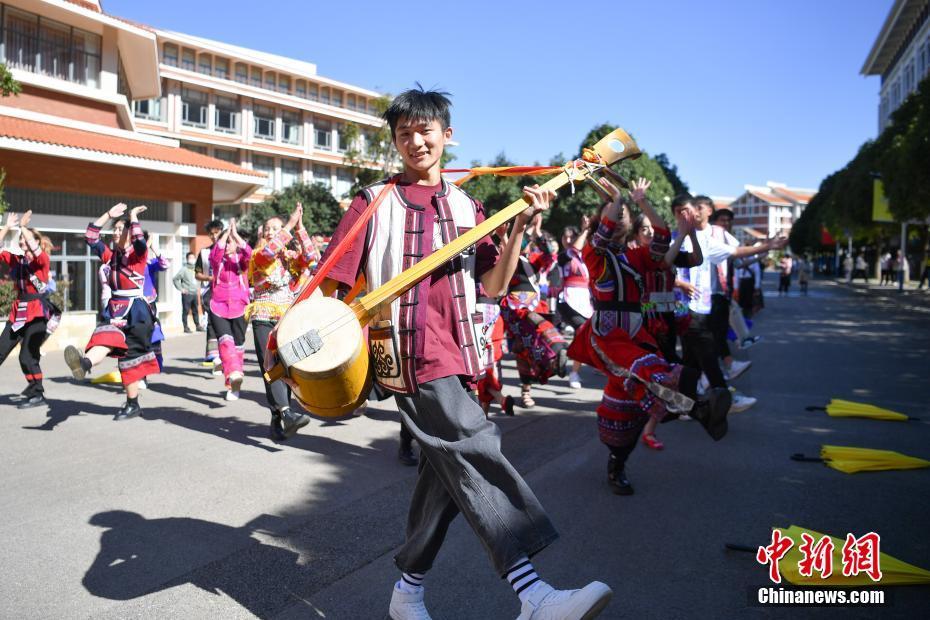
(192, 512)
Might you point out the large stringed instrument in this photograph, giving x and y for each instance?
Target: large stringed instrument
(319, 347)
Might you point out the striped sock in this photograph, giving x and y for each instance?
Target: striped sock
(521, 576)
(411, 582)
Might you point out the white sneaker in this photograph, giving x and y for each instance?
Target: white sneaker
(737, 368)
(143, 385)
(217, 369)
(574, 380)
(741, 403)
(546, 603)
(407, 605)
(748, 342)
(232, 395)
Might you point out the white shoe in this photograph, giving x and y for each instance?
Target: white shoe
(748, 342)
(407, 605)
(742, 402)
(546, 603)
(737, 368)
(143, 385)
(232, 395)
(235, 382)
(217, 369)
(574, 380)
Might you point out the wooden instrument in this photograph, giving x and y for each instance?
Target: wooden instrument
(321, 350)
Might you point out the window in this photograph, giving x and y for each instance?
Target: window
(205, 64)
(256, 80)
(227, 155)
(170, 54)
(284, 84)
(291, 127)
(301, 89)
(322, 135)
(342, 143)
(337, 98)
(290, 172)
(321, 174)
(221, 68)
(324, 95)
(226, 115)
(193, 107)
(196, 148)
(242, 73)
(269, 80)
(350, 102)
(263, 126)
(260, 163)
(49, 48)
(314, 92)
(344, 181)
(187, 59)
(148, 109)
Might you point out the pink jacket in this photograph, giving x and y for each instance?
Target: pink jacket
(230, 284)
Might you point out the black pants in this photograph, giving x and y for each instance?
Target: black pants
(924, 277)
(30, 336)
(720, 323)
(784, 283)
(278, 393)
(701, 350)
(747, 292)
(189, 306)
(668, 340)
(211, 351)
(229, 327)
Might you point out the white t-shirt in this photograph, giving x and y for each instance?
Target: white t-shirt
(705, 276)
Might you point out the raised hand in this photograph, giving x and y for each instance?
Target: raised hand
(116, 211)
(296, 219)
(610, 188)
(135, 211)
(12, 220)
(685, 218)
(638, 191)
(539, 200)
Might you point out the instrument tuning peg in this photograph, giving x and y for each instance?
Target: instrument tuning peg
(597, 188)
(617, 177)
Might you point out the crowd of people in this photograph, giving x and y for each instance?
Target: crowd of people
(646, 302)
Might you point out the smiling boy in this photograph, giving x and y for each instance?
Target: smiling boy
(427, 353)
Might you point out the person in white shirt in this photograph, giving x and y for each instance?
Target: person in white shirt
(700, 345)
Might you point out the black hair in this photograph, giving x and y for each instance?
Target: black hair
(125, 221)
(418, 104)
(145, 234)
(681, 200)
(213, 225)
(190, 254)
(704, 201)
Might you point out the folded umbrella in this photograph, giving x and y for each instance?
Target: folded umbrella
(852, 460)
(838, 408)
(111, 377)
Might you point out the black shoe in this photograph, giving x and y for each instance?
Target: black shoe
(293, 422)
(507, 408)
(616, 477)
(75, 361)
(187, 330)
(26, 393)
(563, 362)
(712, 413)
(128, 410)
(406, 456)
(276, 431)
(36, 400)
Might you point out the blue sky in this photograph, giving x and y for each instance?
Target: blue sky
(734, 92)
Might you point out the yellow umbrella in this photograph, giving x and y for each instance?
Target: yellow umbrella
(852, 460)
(894, 571)
(111, 377)
(838, 408)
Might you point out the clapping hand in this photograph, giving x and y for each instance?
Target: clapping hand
(638, 192)
(117, 211)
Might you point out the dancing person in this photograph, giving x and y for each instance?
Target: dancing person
(204, 275)
(640, 382)
(785, 265)
(126, 322)
(489, 387)
(539, 348)
(185, 282)
(461, 467)
(574, 304)
(229, 296)
(274, 272)
(32, 315)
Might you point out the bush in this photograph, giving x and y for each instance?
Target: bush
(7, 297)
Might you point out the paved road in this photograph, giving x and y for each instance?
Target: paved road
(191, 512)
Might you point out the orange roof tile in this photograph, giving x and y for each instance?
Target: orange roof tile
(46, 133)
(92, 6)
(770, 198)
(795, 194)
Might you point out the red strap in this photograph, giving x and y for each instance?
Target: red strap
(343, 246)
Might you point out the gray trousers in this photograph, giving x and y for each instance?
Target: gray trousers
(463, 470)
(278, 393)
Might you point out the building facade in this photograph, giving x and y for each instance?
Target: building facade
(112, 111)
(900, 55)
(769, 210)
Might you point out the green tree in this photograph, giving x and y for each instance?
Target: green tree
(904, 160)
(321, 210)
(372, 158)
(8, 86)
(4, 205)
(495, 192)
(671, 173)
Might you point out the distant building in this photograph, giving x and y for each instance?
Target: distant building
(765, 211)
(900, 54)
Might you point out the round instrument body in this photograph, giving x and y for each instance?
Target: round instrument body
(334, 380)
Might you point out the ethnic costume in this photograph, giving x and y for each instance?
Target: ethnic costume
(126, 321)
(424, 351)
(535, 342)
(491, 347)
(32, 317)
(155, 265)
(574, 304)
(276, 273)
(641, 383)
(664, 310)
(202, 267)
(228, 300)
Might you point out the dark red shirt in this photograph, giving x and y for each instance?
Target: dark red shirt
(442, 356)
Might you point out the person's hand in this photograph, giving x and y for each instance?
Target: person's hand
(610, 188)
(778, 243)
(24, 220)
(296, 218)
(685, 219)
(638, 191)
(12, 220)
(134, 213)
(539, 200)
(117, 211)
(688, 289)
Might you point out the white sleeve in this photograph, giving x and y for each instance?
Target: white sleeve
(717, 251)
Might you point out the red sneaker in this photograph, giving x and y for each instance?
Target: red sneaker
(650, 440)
